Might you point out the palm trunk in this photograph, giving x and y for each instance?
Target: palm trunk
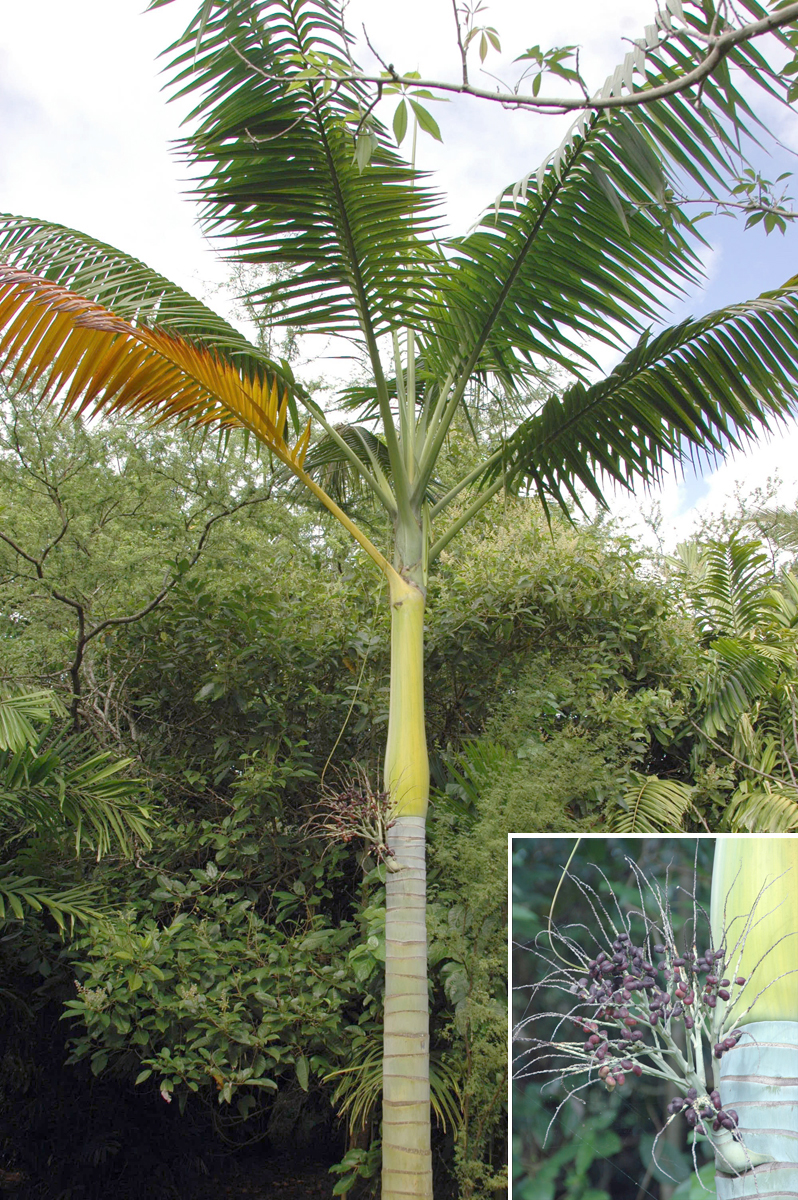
(759, 1077)
(406, 1158)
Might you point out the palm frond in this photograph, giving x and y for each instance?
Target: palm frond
(95, 360)
(18, 709)
(50, 787)
(551, 264)
(763, 808)
(592, 243)
(127, 286)
(709, 382)
(19, 893)
(280, 182)
(327, 462)
(736, 588)
(464, 776)
(785, 601)
(359, 1087)
(739, 675)
(652, 805)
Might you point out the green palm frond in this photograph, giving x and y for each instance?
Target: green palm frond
(702, 383)
(359, 1087)
(652, 805)
(736, 588)
(739, 675)
(592, 244)
(762, 807)
(19, 893)
(785, 601)
(51, 788)
(125, 285)
(280, 182)
(18, 709)
(327, 462)
(331, 466)
(552, 264)
(466, 774)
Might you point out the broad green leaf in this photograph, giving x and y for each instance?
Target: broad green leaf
(400, 122)
(426, 120)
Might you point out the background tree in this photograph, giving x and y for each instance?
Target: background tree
(296, 169)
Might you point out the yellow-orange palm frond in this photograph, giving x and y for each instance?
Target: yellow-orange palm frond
(95, 361)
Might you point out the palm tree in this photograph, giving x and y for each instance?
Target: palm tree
(755, 917)
(750, 692)
(294, 169)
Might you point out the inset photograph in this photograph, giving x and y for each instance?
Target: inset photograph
(655, 1017)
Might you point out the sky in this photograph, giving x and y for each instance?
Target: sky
(85, 134)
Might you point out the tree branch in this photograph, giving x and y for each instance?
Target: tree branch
(746, 766)
(719, 46)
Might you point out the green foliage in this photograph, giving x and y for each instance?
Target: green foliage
(467, 921)
(217, 996)
(50, 786)
(17, 710)
(356, 230)
(21, 894)
(593, 667)
(652, 804)
(355, 1165)
(53, 792)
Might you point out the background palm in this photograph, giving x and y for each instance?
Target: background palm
(52, 789)
(749, 695)
(293, 172)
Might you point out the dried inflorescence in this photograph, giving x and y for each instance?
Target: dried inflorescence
(356, 812)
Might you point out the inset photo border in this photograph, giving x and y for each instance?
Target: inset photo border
(654, 1022)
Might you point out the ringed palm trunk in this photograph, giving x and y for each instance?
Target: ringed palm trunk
(406, 1159)
(759, 1077)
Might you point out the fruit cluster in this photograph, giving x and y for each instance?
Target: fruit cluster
(629, 991)
(704, 1109)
